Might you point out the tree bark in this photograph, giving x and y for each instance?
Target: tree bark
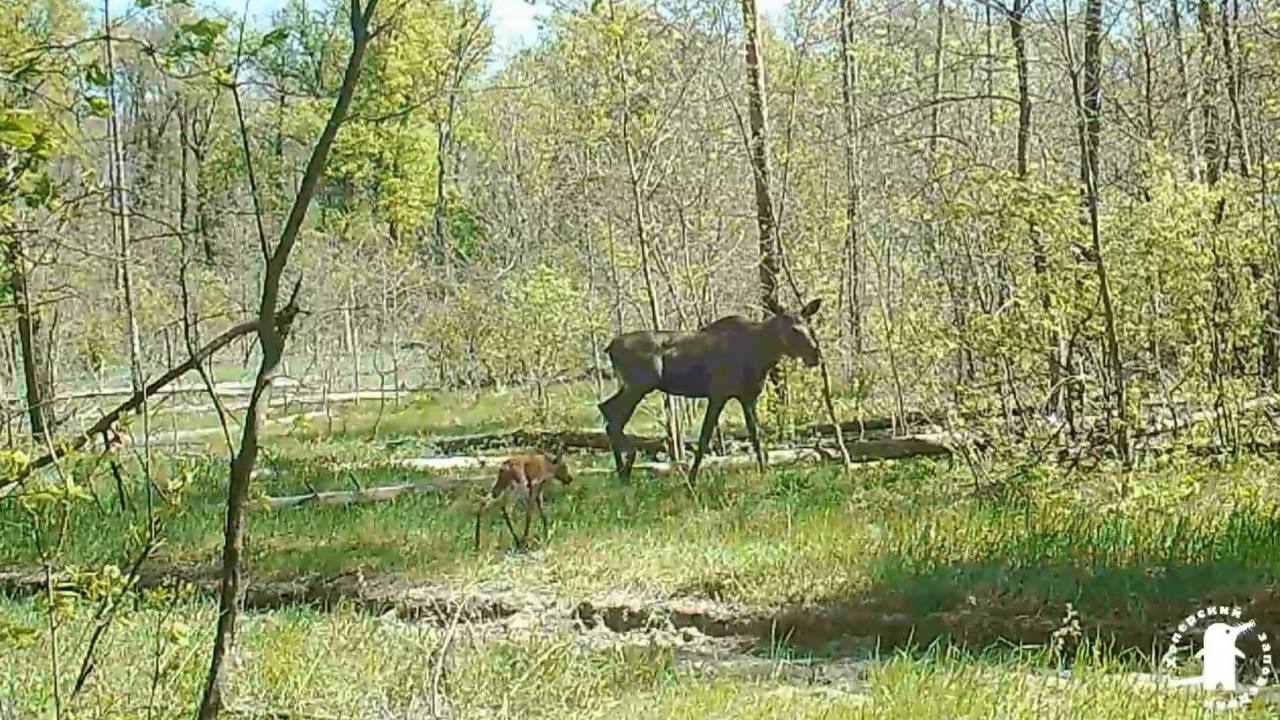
(675, 445)
(1017, 33)
(120, 203)
(1208, 94)
(1148, 73)
(1193, 143)
(35, 371)
(853, 174)
(935, 109)
(758, 115)
(1235, 81)
(272, 334)
(1091, 108)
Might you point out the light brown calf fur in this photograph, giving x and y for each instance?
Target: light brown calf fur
(523, 475)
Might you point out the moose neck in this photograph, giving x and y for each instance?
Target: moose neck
(766, 348)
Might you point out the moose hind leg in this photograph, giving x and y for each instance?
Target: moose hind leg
(753, 430)
(617, 412)
(607, 410)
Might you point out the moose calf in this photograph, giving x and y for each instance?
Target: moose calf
(523, 476)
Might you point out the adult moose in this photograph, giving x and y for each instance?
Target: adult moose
(730, 358)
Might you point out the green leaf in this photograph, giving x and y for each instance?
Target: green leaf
(95, 75)
(17, 139)
(38, 190)
(197, 38)
(205, 28)
(276, 36)
(19, 121)
(98, 107)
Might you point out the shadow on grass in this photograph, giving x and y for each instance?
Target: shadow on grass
(1131, 581)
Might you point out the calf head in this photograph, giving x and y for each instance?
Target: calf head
(562, 472)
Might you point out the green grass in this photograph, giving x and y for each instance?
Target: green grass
(908, 538)
(833, 559)
(344, 665)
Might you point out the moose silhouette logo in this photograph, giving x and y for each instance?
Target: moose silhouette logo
(1221, 656)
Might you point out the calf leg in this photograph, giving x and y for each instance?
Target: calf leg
(537, 504)
(709, 423)
(528, 515)
(511, 526)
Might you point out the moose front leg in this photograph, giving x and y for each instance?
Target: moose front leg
(753, 430)
(709, 422)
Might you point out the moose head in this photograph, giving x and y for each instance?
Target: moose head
(792, 331)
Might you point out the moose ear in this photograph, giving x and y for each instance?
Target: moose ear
(811, 309)
(772, 306)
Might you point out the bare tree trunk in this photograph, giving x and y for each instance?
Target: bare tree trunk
(596, 373)
(1148, 73)
(120, 205)
(1193, 143)
(272, 334)
(34, 366)
(444, 137)
(1216, 158)
(1017, 34)
(1208, 95)
(354, 348)
(853, 174)
(758, 114)
(1235, 81)
(674, 441)
(935, 110)
(1271, 326)
(1089, 102)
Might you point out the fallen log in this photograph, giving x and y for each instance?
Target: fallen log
(350, 497)
(897, 448)
(865, 425)
(546, 439)
(459, 462)
(859, 451)
(1177, 424)
(599, 440)
(383, 492)
(136, 400)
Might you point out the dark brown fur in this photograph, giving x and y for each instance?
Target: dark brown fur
(730, 358)
(523, 475)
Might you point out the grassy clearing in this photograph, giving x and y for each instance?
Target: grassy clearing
(909, 539)
(901, 555)
(350, 666)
